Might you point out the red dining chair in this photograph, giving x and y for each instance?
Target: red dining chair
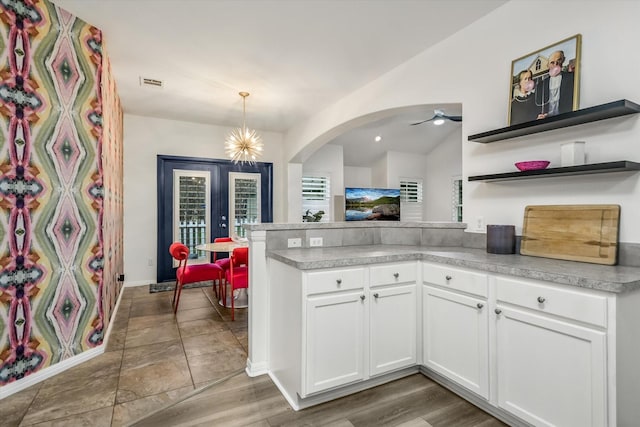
(237, 275)
(222, 262)
(186, 274)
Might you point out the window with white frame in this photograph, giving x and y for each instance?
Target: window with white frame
(411, 199)
(456, 199)
(316, 198)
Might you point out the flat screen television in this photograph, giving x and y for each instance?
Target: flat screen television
(372, 204)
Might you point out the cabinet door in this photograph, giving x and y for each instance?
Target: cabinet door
(392, 328)
(456, 339)
(334, 341)
(550, 372)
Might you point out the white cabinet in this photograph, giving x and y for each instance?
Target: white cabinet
(356, 327)
(529, 350)
(392, 317)
(455, 338)
(455, 324)
(392, 328)
(335, 341)
(551, 367)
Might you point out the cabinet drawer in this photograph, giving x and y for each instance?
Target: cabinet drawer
(572, 304)
(455, 278)
(387, 274)
(335, 280)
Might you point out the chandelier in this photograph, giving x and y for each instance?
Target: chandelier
(243, 145)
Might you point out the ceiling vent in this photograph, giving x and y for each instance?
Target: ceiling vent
(145, 81)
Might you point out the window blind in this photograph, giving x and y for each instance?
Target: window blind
(456, 200)
(411, 199)
(316, 196)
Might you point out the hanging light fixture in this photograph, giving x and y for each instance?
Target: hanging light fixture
(243, 145)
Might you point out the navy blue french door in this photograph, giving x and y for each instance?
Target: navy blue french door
(218, 171)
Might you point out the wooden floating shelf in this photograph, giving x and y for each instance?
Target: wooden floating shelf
(619, 166)
(619, 108)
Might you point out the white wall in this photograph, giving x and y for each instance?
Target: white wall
(472, 67)
(404, 165)
(379, 177)
(443, 163)
(144, 139)
(355, 176)
(328, 160)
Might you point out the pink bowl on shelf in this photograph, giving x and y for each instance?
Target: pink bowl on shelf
(532, 165)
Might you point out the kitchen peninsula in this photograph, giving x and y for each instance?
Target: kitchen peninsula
(533, 341)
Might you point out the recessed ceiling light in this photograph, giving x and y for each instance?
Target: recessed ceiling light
(378, 138)
(438, 122)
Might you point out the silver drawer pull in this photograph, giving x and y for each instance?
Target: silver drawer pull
(362, 297)
(396, 275)
(448, 278)
(338, 282)
(479, 305)
(376, 295)
(541, 299)
(498, 311)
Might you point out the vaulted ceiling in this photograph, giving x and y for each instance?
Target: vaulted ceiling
(294, 57)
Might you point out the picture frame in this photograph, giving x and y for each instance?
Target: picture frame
(545, 82)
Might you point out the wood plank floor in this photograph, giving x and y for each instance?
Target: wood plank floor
(243, 401)
(154, 359)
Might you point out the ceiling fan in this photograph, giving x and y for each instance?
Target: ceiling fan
(439, 117)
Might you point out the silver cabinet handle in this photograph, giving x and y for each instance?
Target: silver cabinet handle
(479, 305)
(541, 299)
(396, 275)
(448, 278)
(338, 282)
(376, 295)
(362, 297)
(498, 311)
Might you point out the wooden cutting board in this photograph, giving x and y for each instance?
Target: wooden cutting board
(586, 233)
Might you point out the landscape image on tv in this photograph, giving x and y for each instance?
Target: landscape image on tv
(372, 204)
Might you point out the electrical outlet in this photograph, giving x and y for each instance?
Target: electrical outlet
(294, 243)
(315, 241)
(149, 262)
(479, 223)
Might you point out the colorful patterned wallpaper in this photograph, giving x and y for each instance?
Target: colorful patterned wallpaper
(60, 187)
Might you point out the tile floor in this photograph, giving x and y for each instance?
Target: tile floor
(153, 361)
(151, 358)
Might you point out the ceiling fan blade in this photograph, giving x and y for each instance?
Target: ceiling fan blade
(424, 121)
(454, 118)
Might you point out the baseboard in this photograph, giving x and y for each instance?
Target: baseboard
(116, 308)
(49, 372)
(256, 369)
(137, 283)
(473, 398)
(283, 391)
(60, 367)
(297, 403)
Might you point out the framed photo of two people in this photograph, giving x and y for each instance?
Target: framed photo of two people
(545, 83)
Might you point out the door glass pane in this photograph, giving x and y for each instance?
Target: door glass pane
(191, 211)
(244, 201)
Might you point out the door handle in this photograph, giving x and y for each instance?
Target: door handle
(223, 225)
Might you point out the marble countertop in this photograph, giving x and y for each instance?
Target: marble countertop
(615, 279)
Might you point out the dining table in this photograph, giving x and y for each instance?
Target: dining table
(240, 296)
